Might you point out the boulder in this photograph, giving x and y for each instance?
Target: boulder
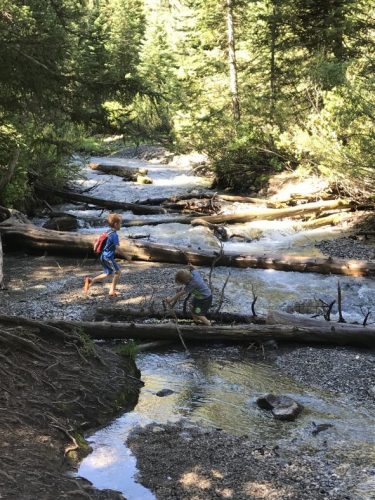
(65, 223)
(282, 407)
(164, 392)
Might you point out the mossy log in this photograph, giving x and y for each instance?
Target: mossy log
(277, 213)
(99, 202)
(127, 173)
(333, 334)
(27, 236)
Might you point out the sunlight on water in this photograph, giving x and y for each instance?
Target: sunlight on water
(217, 387)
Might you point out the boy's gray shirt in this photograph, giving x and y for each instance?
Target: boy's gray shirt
(197, 286)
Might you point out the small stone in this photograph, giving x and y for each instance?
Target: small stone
(164, 392)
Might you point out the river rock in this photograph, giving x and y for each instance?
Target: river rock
(65, 223)
(164, 392)
(282, 407)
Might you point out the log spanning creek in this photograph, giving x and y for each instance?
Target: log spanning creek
(218, 385)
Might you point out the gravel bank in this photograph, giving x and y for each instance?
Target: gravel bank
(336, 369)
(179, 461)
(348, 248)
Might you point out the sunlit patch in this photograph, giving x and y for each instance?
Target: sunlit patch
(196, 480)
(102, 458)
(262, 490)
(217, 474)
(225, 493)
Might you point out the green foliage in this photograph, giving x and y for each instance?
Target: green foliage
(128, 350)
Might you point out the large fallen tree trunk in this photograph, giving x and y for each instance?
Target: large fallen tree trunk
(127, 173)
(100, 221)
(337, 334)
(277, 213)
(99, 202)
(1, 265)
(28, 236)
(126, 314)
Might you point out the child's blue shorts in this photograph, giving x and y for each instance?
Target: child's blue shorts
(110, 266)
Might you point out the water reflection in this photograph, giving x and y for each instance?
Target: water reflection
(218, 387)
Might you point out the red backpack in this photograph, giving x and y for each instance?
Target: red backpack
(100, 242)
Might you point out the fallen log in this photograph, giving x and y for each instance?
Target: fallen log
(126, 314)
(277, 213)
(214, 196)
(101, 221)
(328, 220)
(337, 334)
(127, 173)
(1, 265)
(4, 214)
(28, 236)
(99, 202)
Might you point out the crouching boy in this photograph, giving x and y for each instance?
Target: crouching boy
(202, 296)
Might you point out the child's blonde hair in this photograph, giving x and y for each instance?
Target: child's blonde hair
(183, 277)
(114, 219)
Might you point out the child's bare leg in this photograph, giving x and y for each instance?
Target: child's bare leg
(201, 320)
(90, 281)
(115, 280)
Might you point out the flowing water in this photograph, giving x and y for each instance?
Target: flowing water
(217, 385)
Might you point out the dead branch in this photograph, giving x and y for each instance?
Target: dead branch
(221, 300)
(339, 303)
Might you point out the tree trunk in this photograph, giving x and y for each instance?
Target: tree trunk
(279, 213)
(1, 265)
(337, 334)
(27, 236)
(232, 62)
(9, 171)
(99, 202)
(4, 214)
(126, 173)
(126, 314)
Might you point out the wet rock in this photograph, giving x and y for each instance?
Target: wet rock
(65, 223)
(371, 391)
(282, 407)
(164, 392)
(143, 179)
(320, 428)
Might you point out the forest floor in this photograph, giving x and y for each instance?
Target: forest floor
(46, 400)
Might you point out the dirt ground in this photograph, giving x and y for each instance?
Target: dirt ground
(54, 387)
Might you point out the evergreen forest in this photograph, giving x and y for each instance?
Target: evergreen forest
(259, 85)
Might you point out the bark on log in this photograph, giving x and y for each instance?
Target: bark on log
(127, 173)
(4, 213)
(126, 314)
(99, 202)
(328, 220)
(272, 214)
(337, 334)
(100, 221)
(28, 236)
(1, 265)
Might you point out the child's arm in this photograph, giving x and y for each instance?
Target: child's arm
(171, 300)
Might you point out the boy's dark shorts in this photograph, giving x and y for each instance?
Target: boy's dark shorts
(110, 266)
(201, 306)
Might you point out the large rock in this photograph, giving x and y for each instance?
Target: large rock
(282, 407)
(65, 223)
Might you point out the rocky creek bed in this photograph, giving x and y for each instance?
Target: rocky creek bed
(218, 464)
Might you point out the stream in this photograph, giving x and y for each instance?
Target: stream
(217, 385)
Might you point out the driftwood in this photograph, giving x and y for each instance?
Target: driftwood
(126, 314)
(277, 213)
(100, 221)
(328, 220)
(334, 334)
(218, 197)
(99, 202)
(127, 173)
(28, 236)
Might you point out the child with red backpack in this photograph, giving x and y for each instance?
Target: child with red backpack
(105, 246)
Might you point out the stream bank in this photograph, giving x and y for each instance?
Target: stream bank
(55, 386)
